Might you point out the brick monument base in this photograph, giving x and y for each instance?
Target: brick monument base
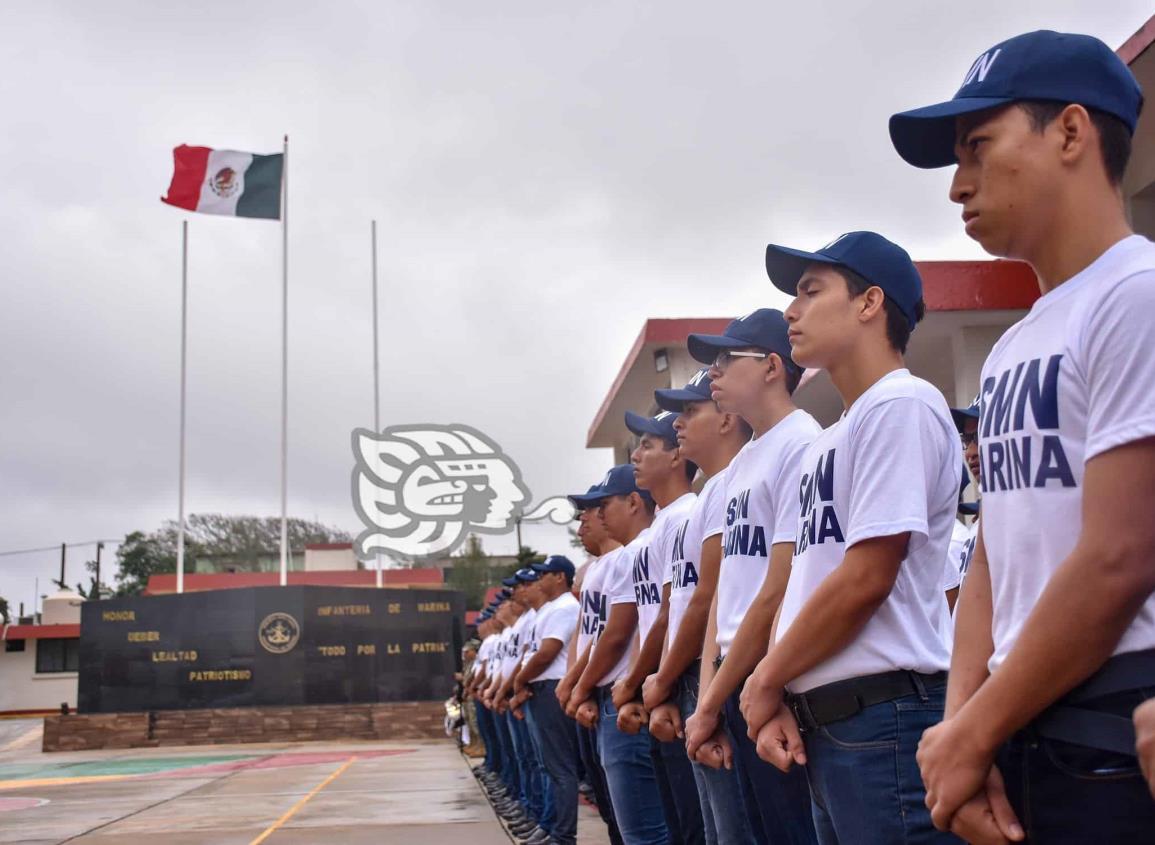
(407, 720)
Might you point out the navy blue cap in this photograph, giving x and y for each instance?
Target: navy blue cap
(506, 593)
(961, 415)
(525, 576)
(1042, 65)
(869, 254)
(968, 508)
(675, 400)
(511, 581)
(589, 499)
(660, 426)
(556, 563)
(620, 481)
(765, 329)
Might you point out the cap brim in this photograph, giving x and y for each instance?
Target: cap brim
(925, 137)
(583, 501)
(961, 415)
(785, 266)
(641, 425)
(676, 399)
(968, 508)
(703, 348)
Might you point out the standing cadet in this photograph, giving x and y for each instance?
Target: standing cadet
(555, 739)
(754, 376)
(595, 540)
(859, 638)
(660, 469)
(627, 513)
(1055, 637)
(710, 438)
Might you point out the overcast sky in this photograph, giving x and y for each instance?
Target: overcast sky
(545, 176)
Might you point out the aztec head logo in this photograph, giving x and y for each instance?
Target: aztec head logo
(421, 489)
(225, 182)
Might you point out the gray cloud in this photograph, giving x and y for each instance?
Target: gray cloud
(545, 177)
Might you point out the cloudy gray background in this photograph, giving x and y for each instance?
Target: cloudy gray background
(545, 176)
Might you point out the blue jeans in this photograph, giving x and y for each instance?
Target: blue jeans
(587, 740)
(485, 727)
(1067, 793)
(864, 780)
(777, 803)
(528, 770)
(630, 775)
(719, 793)
(509, 771)
(678, 791)
(556, 742)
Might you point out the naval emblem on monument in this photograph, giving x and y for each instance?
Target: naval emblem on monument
(278, 633)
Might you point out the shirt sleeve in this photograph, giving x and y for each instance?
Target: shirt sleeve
(896, 458)
(560, 623)
(1119, 366)
(619, 583)
(783, 496)
(714, 514)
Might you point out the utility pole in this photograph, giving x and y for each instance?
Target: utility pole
(63, 550)
(99, 546)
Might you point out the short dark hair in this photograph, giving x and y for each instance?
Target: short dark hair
(793, 373)
(898, 327)
(1114, 136)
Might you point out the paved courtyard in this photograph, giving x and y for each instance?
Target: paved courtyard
(355, 792)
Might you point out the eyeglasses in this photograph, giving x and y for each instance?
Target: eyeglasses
(968, 438)
(726, 355)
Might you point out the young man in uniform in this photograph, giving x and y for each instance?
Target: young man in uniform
(859, 639)
(532, 803)
(754, 376)
(710, 438)
(1055, 636)
(553, 732)
(627, 513)
(660, 469)
(595, 540)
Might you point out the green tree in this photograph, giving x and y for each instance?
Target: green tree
(526, 556)
(241, 538)
(471, 573)
(3, 608)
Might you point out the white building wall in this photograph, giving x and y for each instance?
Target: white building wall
(329, 560)
(22, 689)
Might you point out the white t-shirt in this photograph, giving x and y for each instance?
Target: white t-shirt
(889, 466)
(515, 643)
(590, 620)
(955, 557)
(555, 621)
(968, 550)
(760, 509)
(1073, 379)
(686, 550)
(618, 588)
(485, 653)
(651, 565)
(499, 653)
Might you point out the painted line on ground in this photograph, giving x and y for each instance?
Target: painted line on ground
(271, 829)
(25, 739)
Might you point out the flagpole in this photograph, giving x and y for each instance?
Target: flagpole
(285, 364)
(183, 356)
(376, 365)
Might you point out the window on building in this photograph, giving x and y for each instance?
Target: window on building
(14, 645)
(58, 655)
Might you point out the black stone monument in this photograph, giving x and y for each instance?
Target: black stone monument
(262, 646)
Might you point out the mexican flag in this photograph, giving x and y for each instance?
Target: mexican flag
(226, 182)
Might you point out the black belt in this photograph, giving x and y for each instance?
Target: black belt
(843, 699)
(1068, 721)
